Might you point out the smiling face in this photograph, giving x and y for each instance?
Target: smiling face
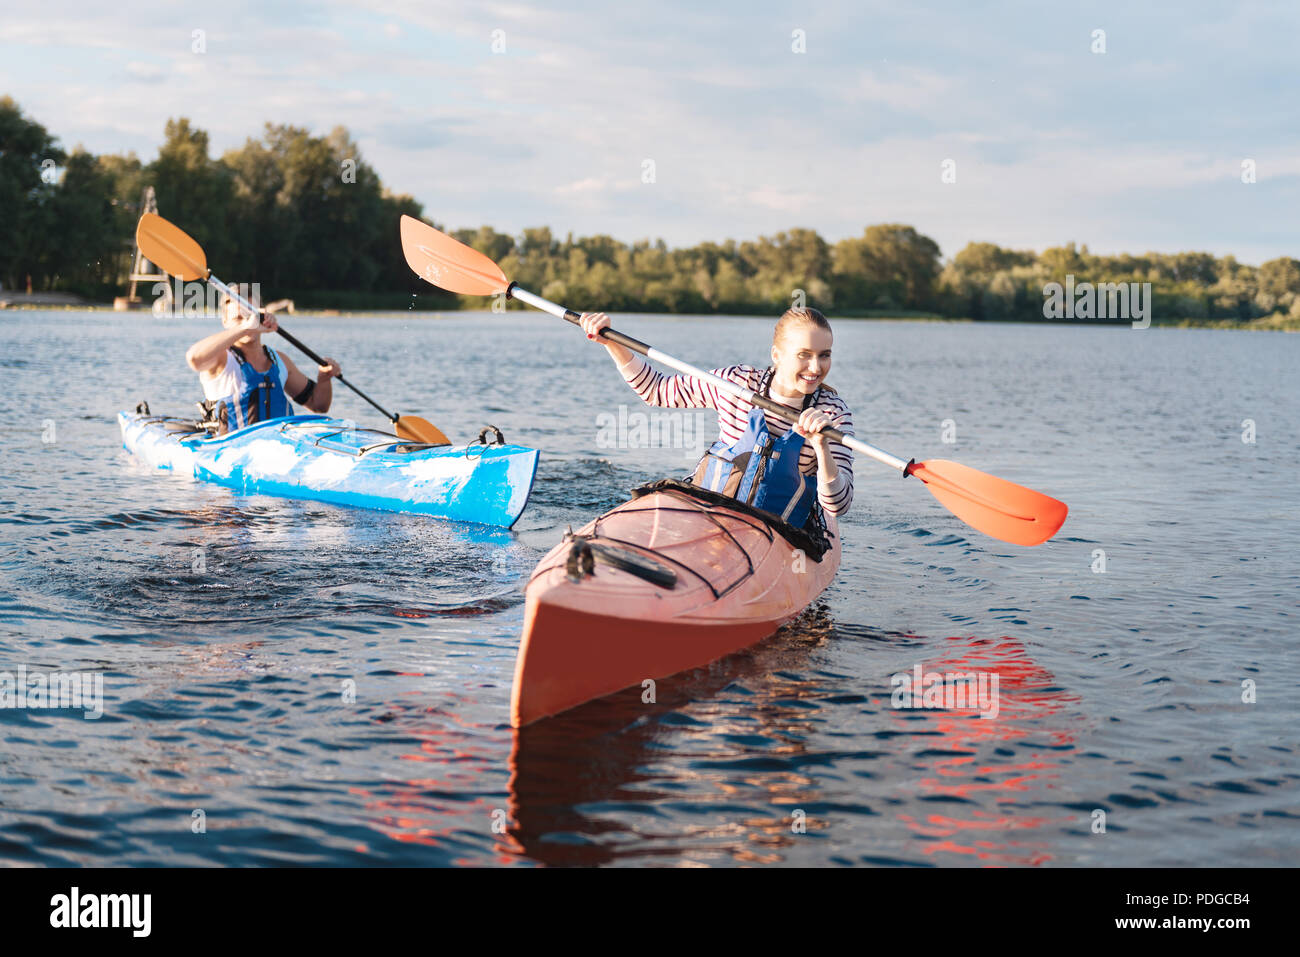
(801, 356)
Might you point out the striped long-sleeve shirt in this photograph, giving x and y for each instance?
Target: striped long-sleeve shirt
(686, 392)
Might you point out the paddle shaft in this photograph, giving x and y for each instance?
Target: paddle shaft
(768, 405)
(297, 344)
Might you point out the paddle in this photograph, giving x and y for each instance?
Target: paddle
(985, 502)
(174, 251)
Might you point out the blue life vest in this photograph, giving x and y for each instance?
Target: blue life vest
(261, 394)
(762, 471)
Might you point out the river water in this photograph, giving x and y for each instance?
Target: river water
(1148, 706)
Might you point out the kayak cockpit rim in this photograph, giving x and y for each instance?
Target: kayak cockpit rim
(814, 546)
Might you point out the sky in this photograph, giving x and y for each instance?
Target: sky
(528, 113)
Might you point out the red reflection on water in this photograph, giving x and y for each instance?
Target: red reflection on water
(1029, 705)
(454, 755)
(545, 800)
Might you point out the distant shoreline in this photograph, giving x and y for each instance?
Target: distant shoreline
(1263, 324)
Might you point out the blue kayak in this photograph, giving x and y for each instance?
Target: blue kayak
(330, 460)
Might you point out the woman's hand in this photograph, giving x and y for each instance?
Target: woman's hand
(810, 425)
(329, 370)
(592, 323)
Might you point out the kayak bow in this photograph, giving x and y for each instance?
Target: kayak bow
(671, 580)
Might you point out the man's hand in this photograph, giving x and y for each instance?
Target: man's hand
(330, 369)
(263, 322)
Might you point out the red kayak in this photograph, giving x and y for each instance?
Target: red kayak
(671, 580)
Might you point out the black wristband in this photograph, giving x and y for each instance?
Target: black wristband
(302, 397)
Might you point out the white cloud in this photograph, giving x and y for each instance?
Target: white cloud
(907, 89)
(747, 138)
(592, 184)
(784, 200)
(144, 71)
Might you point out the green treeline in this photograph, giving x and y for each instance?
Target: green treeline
(306, 217)
(276, 211)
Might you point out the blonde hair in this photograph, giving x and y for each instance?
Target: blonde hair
(800, 316)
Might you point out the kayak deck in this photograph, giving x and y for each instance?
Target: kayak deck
(326, 459)
(661, 584)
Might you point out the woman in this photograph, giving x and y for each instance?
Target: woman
(802, 466)
(246, 381)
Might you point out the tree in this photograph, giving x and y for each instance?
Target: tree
(29, 157)
(1277, 277)
(984, 260)
(85, 227)
(891, 263)
(1061, 261)
(193, 191)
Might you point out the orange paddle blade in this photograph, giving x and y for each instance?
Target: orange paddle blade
(170, 248)
(443, 262)
(994, 506)
(421, 430)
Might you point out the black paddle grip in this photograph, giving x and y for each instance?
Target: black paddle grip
(787, 414)
(613, 335)
(636, 345)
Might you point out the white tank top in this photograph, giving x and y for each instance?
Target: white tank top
(226, 382)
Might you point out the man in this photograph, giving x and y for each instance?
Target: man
(249, 382)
